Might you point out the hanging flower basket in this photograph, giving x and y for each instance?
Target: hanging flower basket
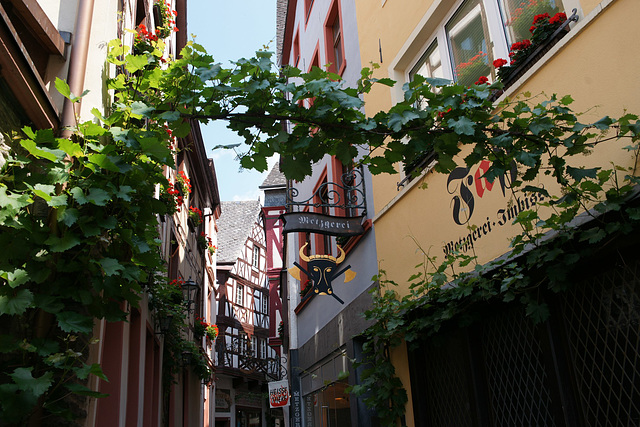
(171, 199)
(195, 217)
(203, 241)
(164, 19)
(143, 40)
(211, 331)
(183, 183)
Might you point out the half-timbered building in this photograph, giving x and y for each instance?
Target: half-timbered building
(244, 361)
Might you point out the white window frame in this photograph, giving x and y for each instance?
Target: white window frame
(242, 343)
(263, 348)
(239, 294)
(254, 346)
(264, 303)
(255, 257)
(432, 27)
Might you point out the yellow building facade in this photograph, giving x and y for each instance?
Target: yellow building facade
(414, 217)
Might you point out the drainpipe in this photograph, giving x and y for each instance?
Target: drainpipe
(77, 63)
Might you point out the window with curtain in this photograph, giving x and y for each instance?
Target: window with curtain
(470, 43)
(517, 16)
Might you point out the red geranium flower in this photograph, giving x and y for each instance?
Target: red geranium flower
(558, 18)
(499, 62)
(540, 17)
(482, 80)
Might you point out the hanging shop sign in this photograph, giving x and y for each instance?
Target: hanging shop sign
(323, 224)
(322, 270)
(278, 394)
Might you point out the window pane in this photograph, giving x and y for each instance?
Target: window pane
(517, 16)
(470, 43)
(430, 65)
(337, 42)
(239, 294)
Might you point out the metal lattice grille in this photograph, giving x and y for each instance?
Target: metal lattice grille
(517, 379)
(602, 320)
(447, 382)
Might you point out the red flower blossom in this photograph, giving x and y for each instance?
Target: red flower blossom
(558, 18)
(540, 17)
(442, 113)
(499, 62)
(522, 45)
(482, 80)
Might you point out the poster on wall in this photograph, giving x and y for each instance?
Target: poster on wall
(278, 394)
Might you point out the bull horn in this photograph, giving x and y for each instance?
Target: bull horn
(341, 257)
(302, 255)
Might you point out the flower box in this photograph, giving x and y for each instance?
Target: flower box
(509, 74)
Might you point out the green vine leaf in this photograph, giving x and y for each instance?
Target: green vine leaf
(74, 322)
(462, 125)
(110, 266)
(16, 303)
(64, 243)
(25, 381)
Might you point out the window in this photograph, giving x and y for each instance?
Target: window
(307, 9)
(322, 197)
(334, 45)
(255, 262)
(296, 49)
(430, 64)
(329, 405)
(470, 43)
(517, 16)
(254, 346)
(239, 294)
(263, 348)
(264, 303)
(242, 343)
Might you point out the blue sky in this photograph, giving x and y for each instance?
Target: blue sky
(230, 30)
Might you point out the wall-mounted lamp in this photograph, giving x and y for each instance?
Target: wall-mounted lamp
(190, 292)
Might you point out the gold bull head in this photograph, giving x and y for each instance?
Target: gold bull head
(322, 270)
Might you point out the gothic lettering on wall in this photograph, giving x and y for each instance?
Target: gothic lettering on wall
(468, 188)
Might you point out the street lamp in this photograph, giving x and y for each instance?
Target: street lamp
(190, 291)
(164, 324)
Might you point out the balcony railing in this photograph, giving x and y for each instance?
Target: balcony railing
(237, 356)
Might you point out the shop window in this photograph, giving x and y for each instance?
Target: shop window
(329, 406)
(333, 40)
